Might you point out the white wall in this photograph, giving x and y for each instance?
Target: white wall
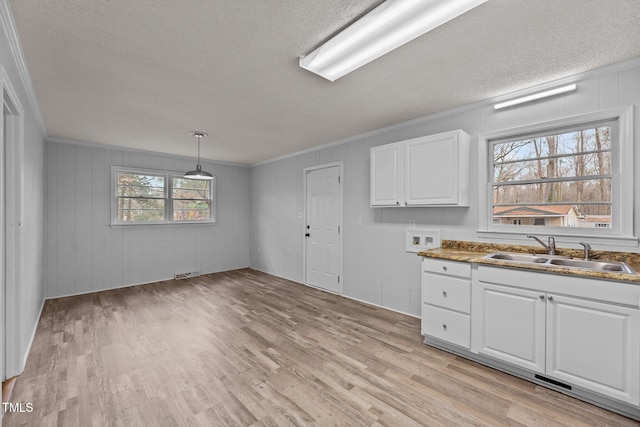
(376, 268)
(29, 293)
(84, 254)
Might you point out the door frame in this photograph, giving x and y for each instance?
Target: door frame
(306, 171)
(12, 132)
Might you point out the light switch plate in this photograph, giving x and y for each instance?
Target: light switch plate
(420, 239)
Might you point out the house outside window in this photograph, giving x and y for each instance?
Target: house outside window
(142, 196)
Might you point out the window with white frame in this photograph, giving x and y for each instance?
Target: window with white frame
(143, 196)
(571, 176)
(558, 178)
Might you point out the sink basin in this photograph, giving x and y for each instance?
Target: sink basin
(562, 261)
(619, 267)
(528, 258)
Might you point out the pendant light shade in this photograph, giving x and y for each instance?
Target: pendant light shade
(198, 173)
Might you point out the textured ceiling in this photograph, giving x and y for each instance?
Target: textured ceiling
(143, 73)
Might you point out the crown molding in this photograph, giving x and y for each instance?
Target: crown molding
(6, 19)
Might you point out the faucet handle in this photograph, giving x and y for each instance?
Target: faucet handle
(552, 245)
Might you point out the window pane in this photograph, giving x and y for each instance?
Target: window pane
(569, 143)
(187, 210)
(192, 184)
(140, 210)
(560, 198)
(573, 192)
(140, 185)
(191, 189)
(191, 194)
(571, 166)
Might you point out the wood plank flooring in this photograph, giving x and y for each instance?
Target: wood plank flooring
(248, 349)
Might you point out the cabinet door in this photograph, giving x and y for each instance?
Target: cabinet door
(594, 345)
(509, 324)
(387, 168)
(432, 170)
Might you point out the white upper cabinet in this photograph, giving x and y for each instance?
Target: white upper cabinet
(387, 174)
(426, 171)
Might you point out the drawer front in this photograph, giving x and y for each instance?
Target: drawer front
(446, 325)
(447, 292)
(441, 266)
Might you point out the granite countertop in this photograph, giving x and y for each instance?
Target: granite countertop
(456, 250)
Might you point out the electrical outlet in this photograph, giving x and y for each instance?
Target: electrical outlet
(417, 240)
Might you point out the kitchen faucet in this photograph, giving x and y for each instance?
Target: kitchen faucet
(551, 247)
(587, 248)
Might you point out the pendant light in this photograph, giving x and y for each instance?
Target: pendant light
(198, 173)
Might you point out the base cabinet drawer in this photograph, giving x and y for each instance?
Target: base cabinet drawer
(452, 268)
(446, 325)
(447, 292)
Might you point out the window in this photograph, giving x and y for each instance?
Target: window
(557, 178)
(564, 177)
(160, 197)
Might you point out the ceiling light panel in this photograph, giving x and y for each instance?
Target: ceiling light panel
(388, 26)
(535, 96)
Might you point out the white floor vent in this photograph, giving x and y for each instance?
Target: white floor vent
(187, 275)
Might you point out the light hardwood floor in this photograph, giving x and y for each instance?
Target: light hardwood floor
(245, 348)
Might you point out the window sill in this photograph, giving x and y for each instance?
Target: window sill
(163, 224)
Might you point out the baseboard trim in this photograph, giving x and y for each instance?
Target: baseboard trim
(25, 356)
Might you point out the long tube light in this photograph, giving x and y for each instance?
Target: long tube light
(533, 97)
(388, 26)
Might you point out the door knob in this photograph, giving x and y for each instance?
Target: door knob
(306, 235)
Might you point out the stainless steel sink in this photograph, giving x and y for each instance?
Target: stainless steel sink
(563, 262)
(615, 266)
(526, 258)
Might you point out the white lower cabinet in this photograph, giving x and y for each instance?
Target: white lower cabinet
(581, 332)
(510, 325)
(595, 346)
(446, 301)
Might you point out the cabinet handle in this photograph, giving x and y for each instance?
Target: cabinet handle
(398, 203)
(444, 294)
(541, 296)
(550, 298)
(444, 267)
(444, 326)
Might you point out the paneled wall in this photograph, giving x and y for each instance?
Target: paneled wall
(85, 254)
(376, 267)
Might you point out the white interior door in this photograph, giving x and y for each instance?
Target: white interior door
(11, 133)
(323, 246)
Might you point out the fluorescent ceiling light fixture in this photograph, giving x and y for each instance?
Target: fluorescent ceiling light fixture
(388, 26)
(533, 97)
